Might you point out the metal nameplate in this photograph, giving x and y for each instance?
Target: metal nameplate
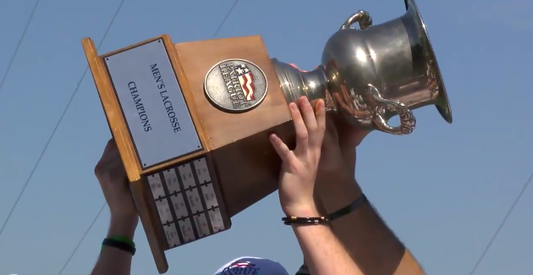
(186, 202)
(210, 197)
(179, 206)
(186, 175)
(164, 211)
(171, 178)
(186, 230)
(202, 171)
(156, 185)
(202, 228)
(171, 232)
(195, 202)
(152, 103)
(216, 220)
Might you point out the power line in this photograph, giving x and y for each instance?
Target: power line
(56, 126)
(225, 18)
(18, 45)
(502, 224)
(102, 208)
(82, 238)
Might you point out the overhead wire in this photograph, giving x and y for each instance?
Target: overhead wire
(19, 44)
(103, 206)
(32, 172)
(489, 244)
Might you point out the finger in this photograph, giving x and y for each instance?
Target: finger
(317, 137)
(281, 148)
(308, 114)
(301, 131)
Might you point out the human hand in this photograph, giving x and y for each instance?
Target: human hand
(298, 171)
(111, 174)
(339, 147)
(340, 141)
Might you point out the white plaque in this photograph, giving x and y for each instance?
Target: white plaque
(156, 185)
(152, 103)
(209, 196)
(194, 200)
(186, 230)
(171, 232)
(202, 171)
(216, 220)
(201, 225)
(179, 206)
(172, 180)
(164, 211)
(186, 175)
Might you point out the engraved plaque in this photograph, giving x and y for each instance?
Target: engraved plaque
(210, 197)
(156, 186)
(179, 206)
(201, 225)
(171, 232)
(186, 175)
(194, 200)
(164, 211)
(171, 179)
(202, 171)
(216, 220)
(152, 103)
(186, 230)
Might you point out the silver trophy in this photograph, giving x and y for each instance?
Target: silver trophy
(373, 73)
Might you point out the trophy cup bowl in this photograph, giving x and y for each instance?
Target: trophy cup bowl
(374, 73)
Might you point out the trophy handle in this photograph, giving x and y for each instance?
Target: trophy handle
(407, 119)
(362, 17)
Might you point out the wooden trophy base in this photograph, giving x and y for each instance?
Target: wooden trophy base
(201, 159)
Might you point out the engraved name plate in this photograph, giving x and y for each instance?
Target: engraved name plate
(164, 211)
(152, 103)
(186, 230)
(156, 185)
(171, 232)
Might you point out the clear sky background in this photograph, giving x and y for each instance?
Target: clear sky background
(444, 189)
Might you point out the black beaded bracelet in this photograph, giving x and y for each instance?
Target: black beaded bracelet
(304, 220)
(122, 245)
(349, 208)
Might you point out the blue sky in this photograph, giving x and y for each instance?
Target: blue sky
(444, 189)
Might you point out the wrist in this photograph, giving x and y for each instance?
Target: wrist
(123, 226)
(308, 210)
(338, 192)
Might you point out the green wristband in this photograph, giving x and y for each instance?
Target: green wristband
(121, 239)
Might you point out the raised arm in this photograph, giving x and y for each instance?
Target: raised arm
(370, 242)
(114, 261)
(364, 234)
(324, 253)
(116, 255)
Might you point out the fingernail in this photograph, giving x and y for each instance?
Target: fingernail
(293, 106)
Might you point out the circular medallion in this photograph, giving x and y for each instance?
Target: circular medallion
(235, 85)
